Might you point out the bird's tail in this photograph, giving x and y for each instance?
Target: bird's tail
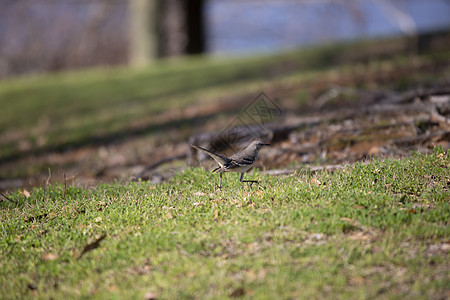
(220, 159)
(218, 169)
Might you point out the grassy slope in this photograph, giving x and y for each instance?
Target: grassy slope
(378, 230)
(55, 112)
(73, 107)
(44, 116)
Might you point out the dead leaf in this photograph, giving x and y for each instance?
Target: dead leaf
(49, 256)
(317, 236)
(91, 246)
(35, 218)
(150, 296)
(251, 274)
(261, 274)
(356, 280)
(347, 220)
(239, 292)
(26, 193)
(112, 288)
(375, 150)
(216, 214)
(315, 181)
(359, 236)
(199, 194)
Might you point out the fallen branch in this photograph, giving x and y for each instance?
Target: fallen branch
(420, 139)
(410, 95)
(436, 117)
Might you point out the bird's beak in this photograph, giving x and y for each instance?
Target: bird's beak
(266, 144)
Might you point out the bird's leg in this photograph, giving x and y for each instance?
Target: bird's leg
(250, 181)
(220, 181)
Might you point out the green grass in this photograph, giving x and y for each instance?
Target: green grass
(368, 231)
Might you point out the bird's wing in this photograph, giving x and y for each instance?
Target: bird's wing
(220, 159)
(242, 158)
(240, 162)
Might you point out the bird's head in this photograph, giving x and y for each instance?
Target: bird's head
(258, 144)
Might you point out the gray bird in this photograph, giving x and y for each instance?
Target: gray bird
(239, 162)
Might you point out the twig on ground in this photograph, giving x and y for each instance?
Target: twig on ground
(312, 169)
(7, 198)
(91, 246)
(160, 162)
(65, 185)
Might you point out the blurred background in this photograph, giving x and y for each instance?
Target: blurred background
(110, 90)
(51, 35)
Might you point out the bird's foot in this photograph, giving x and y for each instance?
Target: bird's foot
(251, 182)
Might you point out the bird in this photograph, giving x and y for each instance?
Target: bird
(239, 162)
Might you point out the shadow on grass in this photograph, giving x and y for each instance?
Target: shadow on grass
(116, 137)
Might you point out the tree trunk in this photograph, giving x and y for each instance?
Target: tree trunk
(144, 33)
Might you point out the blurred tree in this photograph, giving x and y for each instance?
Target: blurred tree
(144, 33)
(161, 28)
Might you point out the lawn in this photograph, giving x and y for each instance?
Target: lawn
(377, 230)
